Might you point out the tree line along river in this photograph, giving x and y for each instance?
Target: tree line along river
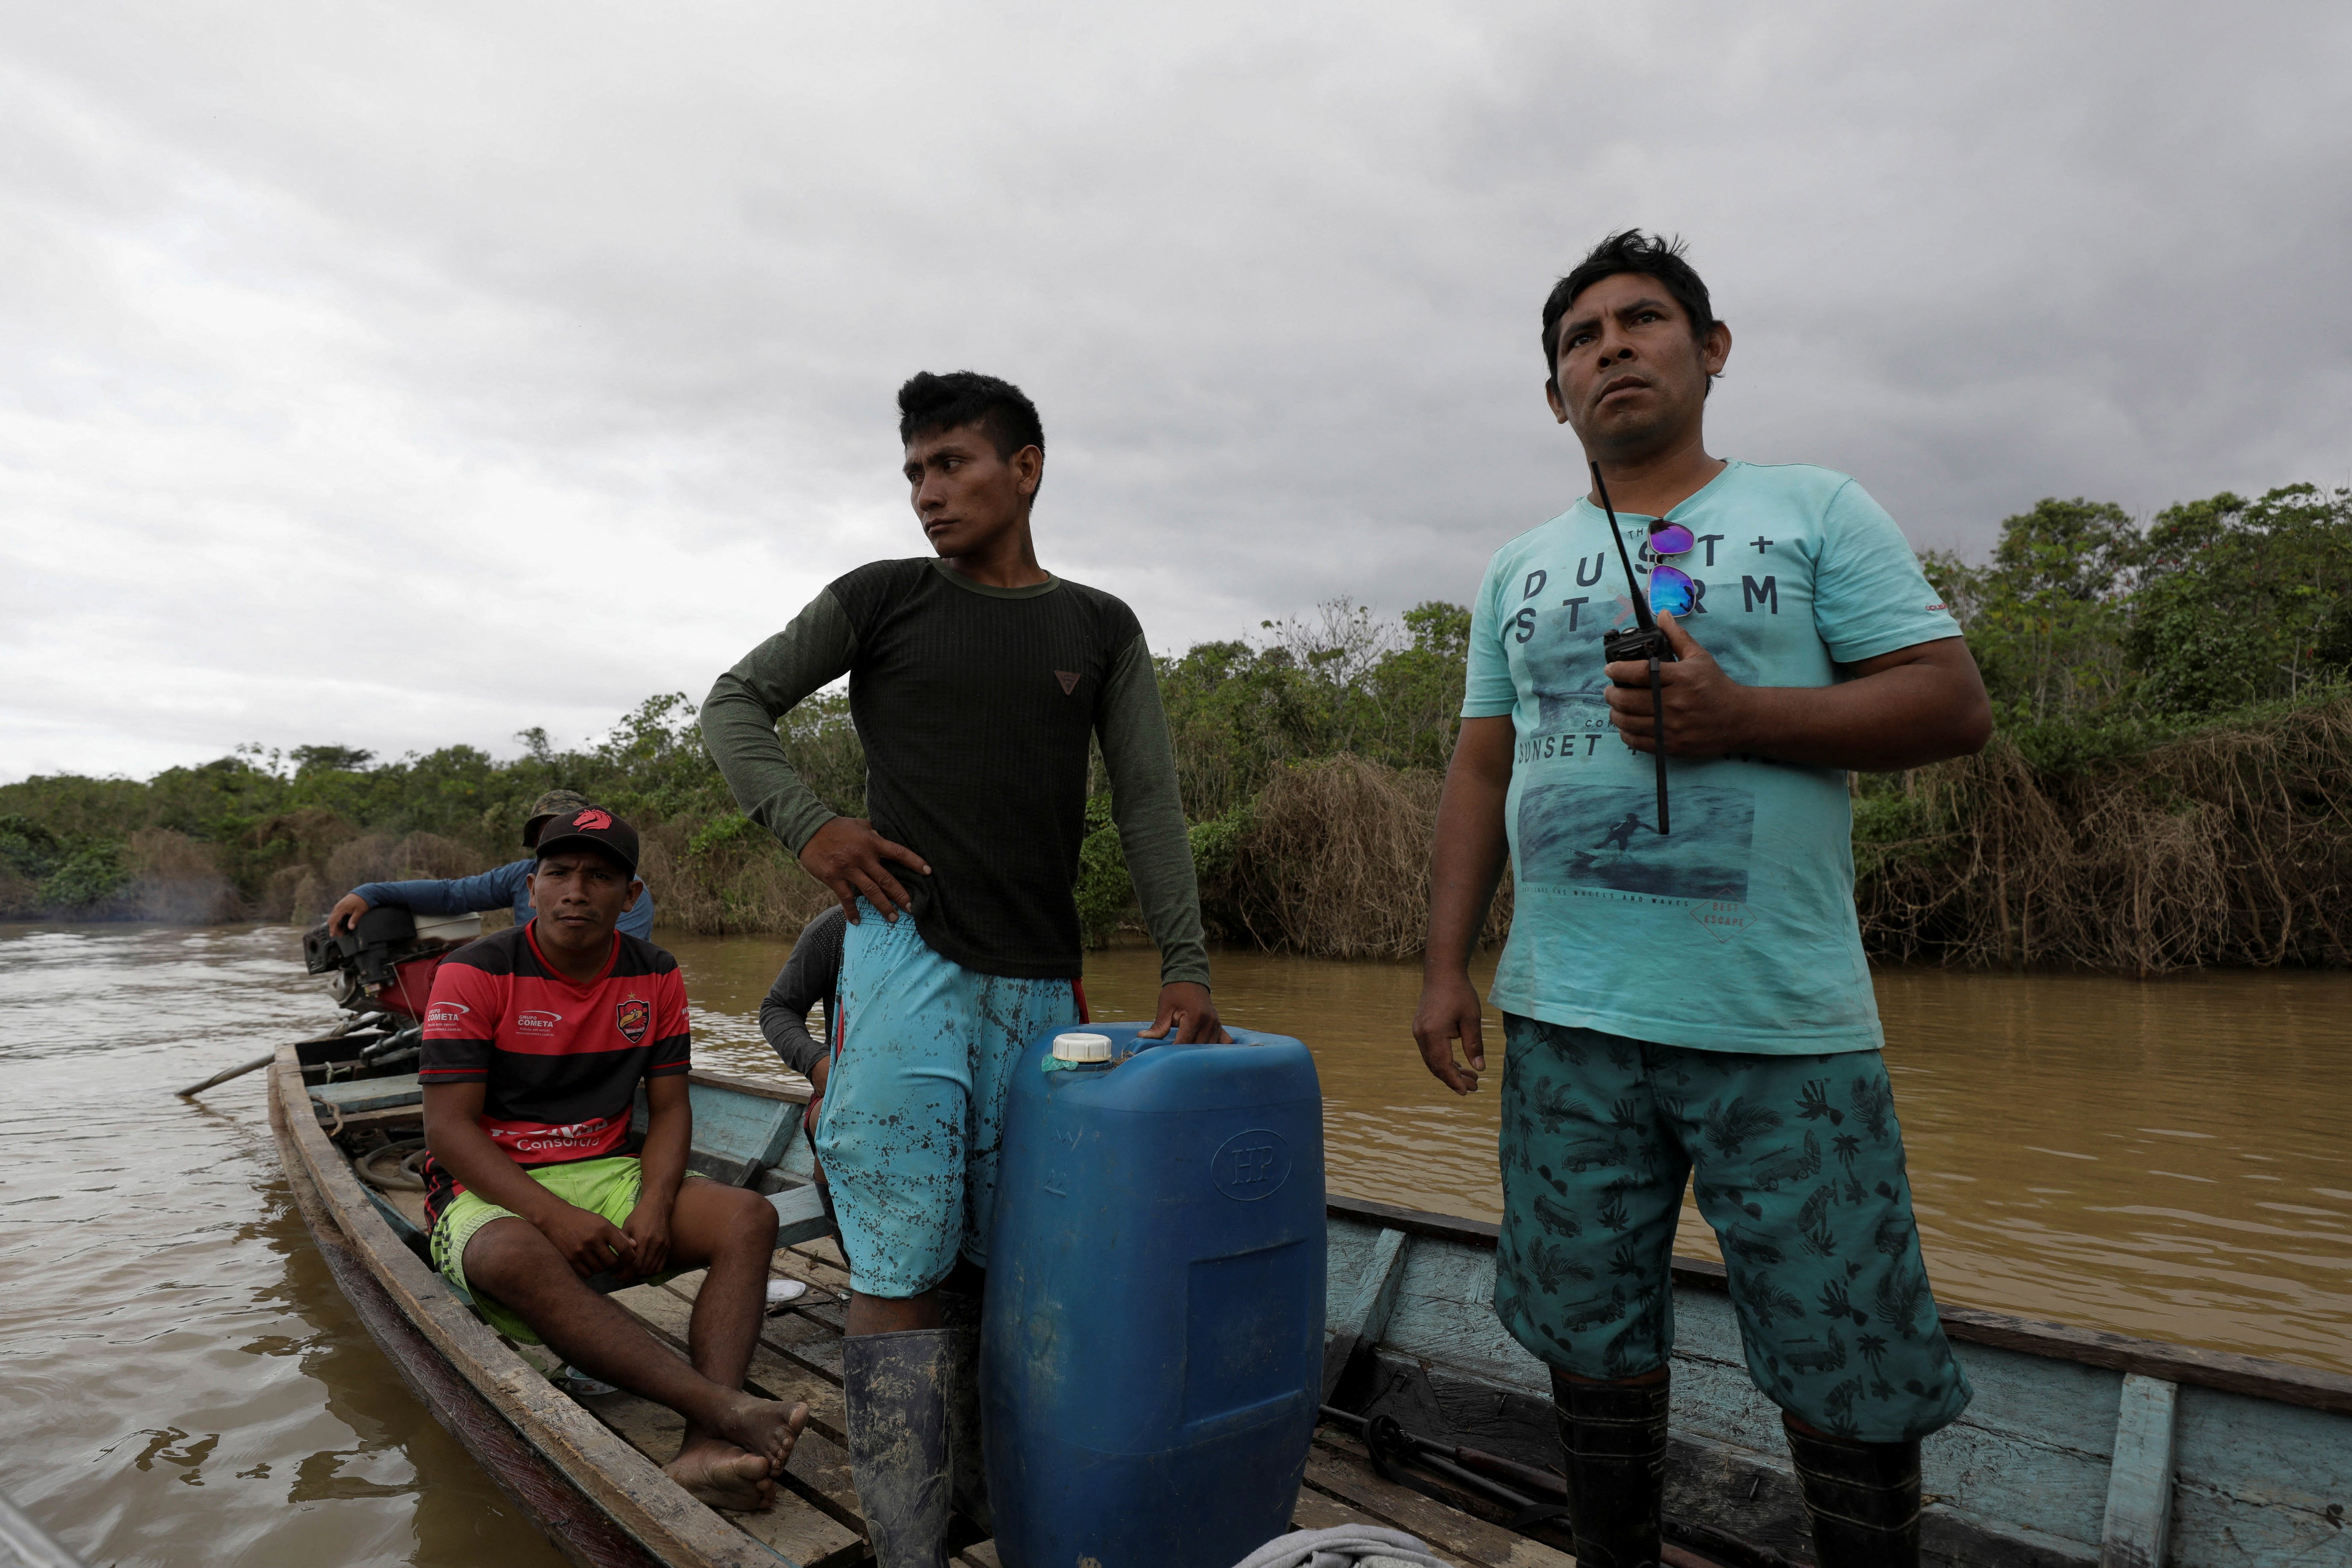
(180, 1381)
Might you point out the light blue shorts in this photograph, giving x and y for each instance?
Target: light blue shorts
(914, 1107)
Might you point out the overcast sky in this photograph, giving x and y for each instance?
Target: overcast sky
(397, 375)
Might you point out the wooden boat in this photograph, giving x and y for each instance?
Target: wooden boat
(2082, 1448)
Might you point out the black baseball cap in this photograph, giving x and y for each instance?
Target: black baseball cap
(590, 827)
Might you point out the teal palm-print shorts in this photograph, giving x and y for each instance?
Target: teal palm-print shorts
(1797, 1163)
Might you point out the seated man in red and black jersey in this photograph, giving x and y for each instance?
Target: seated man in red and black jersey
(534, 1045)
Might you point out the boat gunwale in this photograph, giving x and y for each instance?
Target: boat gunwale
(798, 1094)
(621, 1483)
(2226, 1370)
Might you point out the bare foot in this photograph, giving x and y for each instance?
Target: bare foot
(719, 1473)
(768, 1427)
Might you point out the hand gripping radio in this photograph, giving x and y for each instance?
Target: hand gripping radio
(1646, 639)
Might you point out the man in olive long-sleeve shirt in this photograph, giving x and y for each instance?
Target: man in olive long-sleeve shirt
(978, 682)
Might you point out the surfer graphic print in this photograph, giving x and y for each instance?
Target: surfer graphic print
(1737, 931)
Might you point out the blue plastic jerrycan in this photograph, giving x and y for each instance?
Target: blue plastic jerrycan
(1153, 1352)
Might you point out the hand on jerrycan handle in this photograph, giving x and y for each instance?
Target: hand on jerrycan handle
(1184, 1005)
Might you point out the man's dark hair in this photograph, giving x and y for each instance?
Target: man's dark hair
(1628, 250)
(930, 404)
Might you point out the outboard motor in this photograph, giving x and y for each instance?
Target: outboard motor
(384, 964)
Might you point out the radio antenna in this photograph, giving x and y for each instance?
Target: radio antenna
(1651, 642)
(1617, 535)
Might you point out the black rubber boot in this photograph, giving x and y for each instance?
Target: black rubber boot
(895, 1387)
(1862, 1500)
(967, 1458)
(1614, 1435)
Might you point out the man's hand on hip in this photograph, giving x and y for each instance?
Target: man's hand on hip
(1449, 1012)
(846, 854)
(1709, 713)
(1185, 1005)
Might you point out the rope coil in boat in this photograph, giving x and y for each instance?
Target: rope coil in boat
(392, 1167)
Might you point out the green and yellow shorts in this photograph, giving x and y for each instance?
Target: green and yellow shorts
(607, 1188)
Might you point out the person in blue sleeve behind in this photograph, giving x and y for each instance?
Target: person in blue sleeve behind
(506, 887)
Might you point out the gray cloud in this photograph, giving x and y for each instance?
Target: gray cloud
(357, 360)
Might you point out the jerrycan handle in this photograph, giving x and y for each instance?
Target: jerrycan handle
(1240, 1038)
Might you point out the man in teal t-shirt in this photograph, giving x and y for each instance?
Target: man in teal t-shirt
(1695, 1003)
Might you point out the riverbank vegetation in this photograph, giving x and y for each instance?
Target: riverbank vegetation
(2169, 783)
(2170, 779)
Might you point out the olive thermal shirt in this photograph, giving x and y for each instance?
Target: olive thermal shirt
(976, 706)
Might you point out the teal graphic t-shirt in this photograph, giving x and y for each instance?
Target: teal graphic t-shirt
(1736, 931)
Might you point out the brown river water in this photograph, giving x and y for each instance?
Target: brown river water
(180, 1381)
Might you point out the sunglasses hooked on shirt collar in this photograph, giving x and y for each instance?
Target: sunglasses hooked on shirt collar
(1672, 591)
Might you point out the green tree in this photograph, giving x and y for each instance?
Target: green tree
(28, 849)
(345, 759)
(87, 878)
(2241, 599)
(1342, 680)
(2046, 617)
(821, 741)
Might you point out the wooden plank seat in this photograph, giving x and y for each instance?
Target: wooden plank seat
(742, 1127)
(800, 1216)
(350, 1095)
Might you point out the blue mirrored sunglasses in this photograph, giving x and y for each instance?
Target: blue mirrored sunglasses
(1672, 591)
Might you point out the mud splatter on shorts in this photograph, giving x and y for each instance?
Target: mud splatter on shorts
(1797, 1163)
(914, 1104)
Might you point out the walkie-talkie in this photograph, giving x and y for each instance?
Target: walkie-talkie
(1644, 640)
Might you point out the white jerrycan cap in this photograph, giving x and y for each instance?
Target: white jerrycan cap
(1081, 1048)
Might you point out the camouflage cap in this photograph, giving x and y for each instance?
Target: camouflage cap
(554, 803)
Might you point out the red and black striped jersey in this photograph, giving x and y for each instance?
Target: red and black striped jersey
(561, 1062)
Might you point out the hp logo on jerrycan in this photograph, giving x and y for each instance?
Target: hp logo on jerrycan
(1252, 1165)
